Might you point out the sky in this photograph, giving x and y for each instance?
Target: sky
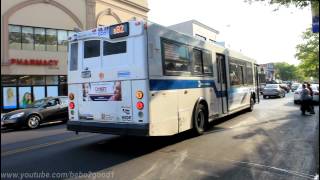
(254, 29)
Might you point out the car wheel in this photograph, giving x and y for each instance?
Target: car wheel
(264, 97)
(33, 121)
(199, 119)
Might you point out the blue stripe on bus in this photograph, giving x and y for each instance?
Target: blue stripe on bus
(169, 84)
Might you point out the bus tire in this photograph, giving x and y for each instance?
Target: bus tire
(200, 119)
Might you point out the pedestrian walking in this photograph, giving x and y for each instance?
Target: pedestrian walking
(310, 103)
(304, 98)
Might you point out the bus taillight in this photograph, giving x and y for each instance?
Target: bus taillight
(71, 105)
(139, 94)
(140, 105)
(71, 96)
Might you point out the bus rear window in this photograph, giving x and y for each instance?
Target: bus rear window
(91, 48)
(114, 48)
(74, 57)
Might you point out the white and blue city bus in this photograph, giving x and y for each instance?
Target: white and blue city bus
(140, 78)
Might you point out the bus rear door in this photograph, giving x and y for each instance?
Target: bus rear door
(222, 83)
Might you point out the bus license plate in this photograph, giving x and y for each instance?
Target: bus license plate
(86, 74)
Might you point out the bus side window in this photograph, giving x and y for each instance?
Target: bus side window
(249, 73)
(91, 48)
(207, 64)
(170, 67)
(176, 58)
(235, 80)
(74, 57)
(197, 62)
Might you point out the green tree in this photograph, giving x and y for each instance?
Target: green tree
(308, 54)
(285, 71)
(297, 3)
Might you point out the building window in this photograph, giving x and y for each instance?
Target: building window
(9, 96)
(27, 38)
(62, 40)
(71, 33)
(25, 80)
(51, 38)
(39, 39)
(38, 80)
(201, 37)
(52, 80)
(14, 37)
(19, 91)
(8, 80)
(211, 40)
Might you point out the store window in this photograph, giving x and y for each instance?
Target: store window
(25, 80)
(8, 80)
(9, 97)
(52, 91)
(27, 38)
(71, 33)
(38, 80)
(51, 38)
(39, 39)
(14, 37)
(25, 97)
(38, 92)
(52, 80)
(62, 40)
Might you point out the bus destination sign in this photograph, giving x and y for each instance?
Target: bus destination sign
(119, 30)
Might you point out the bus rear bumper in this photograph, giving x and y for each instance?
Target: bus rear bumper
(109, 128)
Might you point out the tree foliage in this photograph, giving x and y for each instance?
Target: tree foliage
(308, 54)
(285, 71)
(297, 3)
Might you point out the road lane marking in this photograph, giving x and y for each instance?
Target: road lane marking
(15, 151)
(308, 176)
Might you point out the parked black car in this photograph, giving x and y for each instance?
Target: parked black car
(41, 111)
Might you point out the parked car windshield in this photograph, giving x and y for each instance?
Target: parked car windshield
(272, 86)
(37, 103)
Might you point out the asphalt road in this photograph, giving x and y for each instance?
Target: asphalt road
(272, 142)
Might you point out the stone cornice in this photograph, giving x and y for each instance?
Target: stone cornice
(122, 9)
(135, 5)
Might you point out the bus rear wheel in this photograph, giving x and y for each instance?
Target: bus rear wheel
(200, 119)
